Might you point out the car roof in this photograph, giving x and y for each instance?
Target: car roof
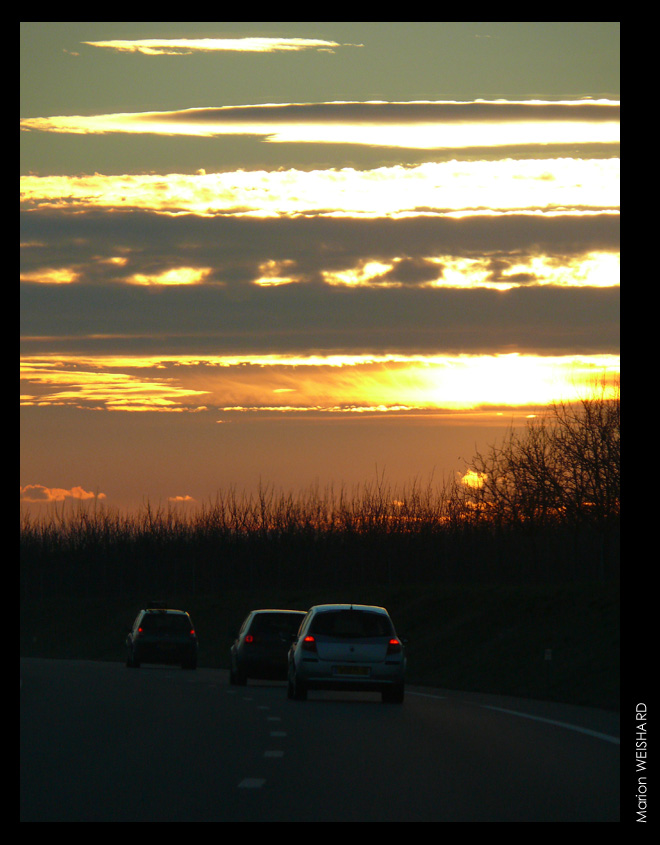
(164, 610)
(277, 610)
(320, 608)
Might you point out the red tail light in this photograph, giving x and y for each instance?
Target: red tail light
(394, 646)
(308, 643)
(192, 632)
(249, 638)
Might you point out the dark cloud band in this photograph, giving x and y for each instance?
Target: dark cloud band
(396, 112)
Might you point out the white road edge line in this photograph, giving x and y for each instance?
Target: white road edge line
(425, 695)
(613, 739)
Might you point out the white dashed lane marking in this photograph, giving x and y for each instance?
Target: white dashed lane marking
(269, 754)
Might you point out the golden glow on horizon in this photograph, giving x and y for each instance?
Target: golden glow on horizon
(337, 384)
(433, 187)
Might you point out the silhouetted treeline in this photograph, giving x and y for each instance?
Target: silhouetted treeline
(542, 505)
(377, 537)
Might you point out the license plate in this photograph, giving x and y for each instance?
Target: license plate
(353, 671)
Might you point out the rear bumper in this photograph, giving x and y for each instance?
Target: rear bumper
(170, 654)
(371, 685)
(263, 667)
(327, 675)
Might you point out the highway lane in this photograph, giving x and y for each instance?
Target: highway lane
(100, 742)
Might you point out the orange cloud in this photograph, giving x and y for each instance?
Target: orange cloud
(38, 493)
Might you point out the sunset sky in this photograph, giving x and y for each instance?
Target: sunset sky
(306, 254)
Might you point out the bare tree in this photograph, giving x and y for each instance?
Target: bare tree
(563, 466)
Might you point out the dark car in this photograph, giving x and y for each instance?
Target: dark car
(261, 647)
(162, 635)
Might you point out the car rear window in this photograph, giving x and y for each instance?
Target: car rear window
(351, 623)
(169, 622)
(276, 623)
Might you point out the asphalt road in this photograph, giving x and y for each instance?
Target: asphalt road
(103, 743)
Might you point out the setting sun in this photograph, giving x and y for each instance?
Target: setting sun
(348, 384)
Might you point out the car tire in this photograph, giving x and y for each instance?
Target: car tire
(298, 690)
(237, 678)
(394, 695)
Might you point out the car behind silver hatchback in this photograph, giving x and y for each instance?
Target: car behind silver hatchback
(347, 647)
(262, 644)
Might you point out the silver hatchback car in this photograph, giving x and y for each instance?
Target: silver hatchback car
(348, 647)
